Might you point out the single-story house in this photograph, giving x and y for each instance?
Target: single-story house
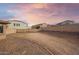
(40, 26)
(16, 24)
(67, 22)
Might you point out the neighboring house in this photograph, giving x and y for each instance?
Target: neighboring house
(67, 22)
(3, 27)
(38, 26)
(16, 24)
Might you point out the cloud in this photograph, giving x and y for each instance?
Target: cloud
(48, 13)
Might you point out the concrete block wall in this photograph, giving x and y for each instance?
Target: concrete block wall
(2, 36)
(26, 30)
(69, 28)
(10, 31)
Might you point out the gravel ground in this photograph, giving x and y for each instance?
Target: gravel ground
(20, 46)
(41, 43)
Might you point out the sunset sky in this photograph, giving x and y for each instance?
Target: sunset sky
(39, 13)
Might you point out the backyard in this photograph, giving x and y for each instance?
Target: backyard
(41, 43)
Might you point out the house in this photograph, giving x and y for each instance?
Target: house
(3, 27)
(40, 26)
(16, 24)
(67, 22)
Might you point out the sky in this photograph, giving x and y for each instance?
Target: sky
(31, 13)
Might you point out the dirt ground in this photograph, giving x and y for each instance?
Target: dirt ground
(20, 46)
(41, 43)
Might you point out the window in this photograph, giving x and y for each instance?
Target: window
(16, 24)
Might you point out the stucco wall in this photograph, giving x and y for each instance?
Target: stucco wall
(3, 35)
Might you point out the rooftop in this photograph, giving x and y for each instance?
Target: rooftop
(18, 21)
(4, 22)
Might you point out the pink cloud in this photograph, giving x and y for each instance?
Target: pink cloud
(41, 13)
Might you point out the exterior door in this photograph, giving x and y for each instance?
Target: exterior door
(1, 29)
